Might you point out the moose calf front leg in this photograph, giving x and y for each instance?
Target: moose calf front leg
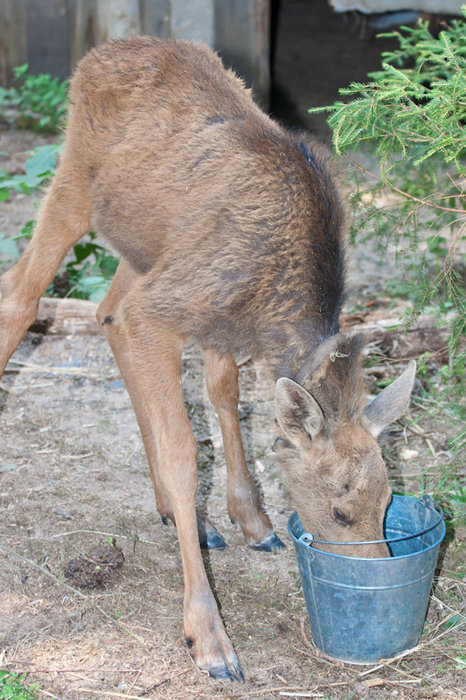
(157, 367)
(244, 504)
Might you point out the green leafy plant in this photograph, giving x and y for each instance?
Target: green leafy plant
(40, 102)
(12, 688)
(412, 114)
(39, 167)
(88, 274)
(36, 102)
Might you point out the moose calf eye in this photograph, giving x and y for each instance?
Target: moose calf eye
(340, 517)
(280, 444)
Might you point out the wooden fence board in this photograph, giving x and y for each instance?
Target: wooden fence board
(13, 38)
(47, 37)
(242, 36)
(52, 35)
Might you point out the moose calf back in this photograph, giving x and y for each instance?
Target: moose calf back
(234, 223)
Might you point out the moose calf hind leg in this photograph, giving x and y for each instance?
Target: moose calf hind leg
(64, 217)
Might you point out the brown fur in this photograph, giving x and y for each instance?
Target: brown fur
(230, 231)
(212, 168)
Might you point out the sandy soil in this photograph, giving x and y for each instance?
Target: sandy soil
(73, 474)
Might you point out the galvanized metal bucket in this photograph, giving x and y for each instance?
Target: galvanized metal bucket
(363, 610)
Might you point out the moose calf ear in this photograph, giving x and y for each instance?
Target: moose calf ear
(391, 403)
(298, 413)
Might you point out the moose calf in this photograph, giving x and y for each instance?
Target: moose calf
(231, 233)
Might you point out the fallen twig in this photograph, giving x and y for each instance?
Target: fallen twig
(162, 682)
(85, 455)
(282, 689)
(439, 636)
(49, 695)
(104, 534)
(71, 670)
(387, 663)
(43, 570)
(107, 693)
(302, 695)
(18, 367)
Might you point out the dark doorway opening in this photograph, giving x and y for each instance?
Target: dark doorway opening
(316, 52)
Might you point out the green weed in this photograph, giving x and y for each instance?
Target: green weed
(39, 168)
(40, 102)
(37, 102)
(89, 273)
(12, 688)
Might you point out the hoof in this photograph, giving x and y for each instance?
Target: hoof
(227, 671)
(209, 538)
(272, 543)
(212, 540)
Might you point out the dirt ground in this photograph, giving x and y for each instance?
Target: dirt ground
(74, 478)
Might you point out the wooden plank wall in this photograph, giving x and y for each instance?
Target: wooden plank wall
(51, 35)
(13, 41)
(47, 35)
(242, 37)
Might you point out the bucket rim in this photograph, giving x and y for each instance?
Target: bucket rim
(306, 539)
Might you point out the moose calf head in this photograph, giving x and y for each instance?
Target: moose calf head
(327, 446)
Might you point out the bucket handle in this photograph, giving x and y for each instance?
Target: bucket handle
(308, 539)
